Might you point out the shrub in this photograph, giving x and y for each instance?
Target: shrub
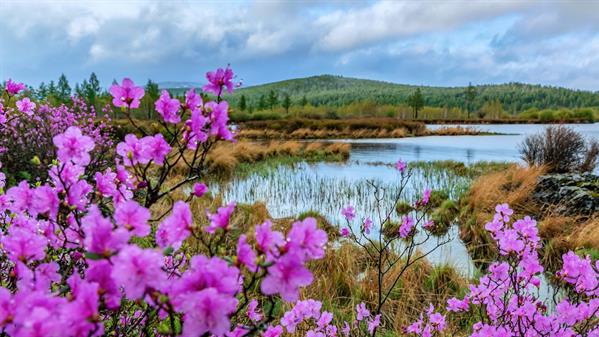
(26, 138)
(560, 149)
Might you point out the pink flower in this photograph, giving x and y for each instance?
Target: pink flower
(245, 254)
(425, 198)
(374, 323)
(273, 331)
(505, 211)
(344, 232)
(193, 101)
(99, 272)
(22, 244)
(176, 227)
(168, 108)
(205, 273)
(77, 196)
(219, 118)
(73, 146)
(219, 79)
(346, 329)
(252, 312)
(99, 235)
(45, 200)
(155, 148)
(105, 182)
(401, 166)
(7, 307)
(305, 236)
(510, 242)
(26, 106)
(455, 305)
(268, 240)
(349, 213)
(362, 312)
(199, 189)
(220, 219)
(325, 319)
(406, 227)
(133, 217)
(196, 125)
(83, 310)
(285, 277)
(429, 225)
(127, 94)
(65, 175)
(138, 270)
(207, 312)
(132, 151)
(13, 88)
(367, 225)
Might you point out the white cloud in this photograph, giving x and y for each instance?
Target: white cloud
(395, 19)
(487, 41)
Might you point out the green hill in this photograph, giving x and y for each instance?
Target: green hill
(329, 90)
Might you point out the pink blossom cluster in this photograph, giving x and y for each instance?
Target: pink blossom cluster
(29, 130)
(427, 325)
(85, 254)
(506, 300)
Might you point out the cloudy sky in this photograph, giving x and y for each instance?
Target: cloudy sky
(447, 43)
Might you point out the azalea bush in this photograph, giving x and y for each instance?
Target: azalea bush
(507, 301)
(27, 130)
(85, 253)
(394, 246)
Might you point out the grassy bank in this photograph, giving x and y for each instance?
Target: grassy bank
(243, 158)
(301, 128)
(515, 186)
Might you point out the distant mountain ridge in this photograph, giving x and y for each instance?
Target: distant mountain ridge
(333, 90)
(178, 85)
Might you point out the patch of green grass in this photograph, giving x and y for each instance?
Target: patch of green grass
(470, 171)
(264, 167)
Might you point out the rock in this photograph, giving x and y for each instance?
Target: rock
(569, 194)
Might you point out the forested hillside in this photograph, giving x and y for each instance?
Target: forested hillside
(338, 91)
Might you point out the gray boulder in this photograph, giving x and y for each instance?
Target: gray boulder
(570, 193)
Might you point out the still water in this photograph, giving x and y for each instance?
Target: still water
(328, 187)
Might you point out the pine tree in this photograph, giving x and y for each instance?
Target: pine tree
(470, 96)
(416, 102)
(286, 103)
(91, 89)
(63, 89)
(242, 103)
(273, 99)
(152, 94)
(262, 102)
(304, 101)
(42, 92)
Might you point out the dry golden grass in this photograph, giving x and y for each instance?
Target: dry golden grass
(455, 131)
(225, 157)
(325, 129)
(513, 186)
(586, 234)
(345, 277)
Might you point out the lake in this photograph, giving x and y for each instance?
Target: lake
(328, 187)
